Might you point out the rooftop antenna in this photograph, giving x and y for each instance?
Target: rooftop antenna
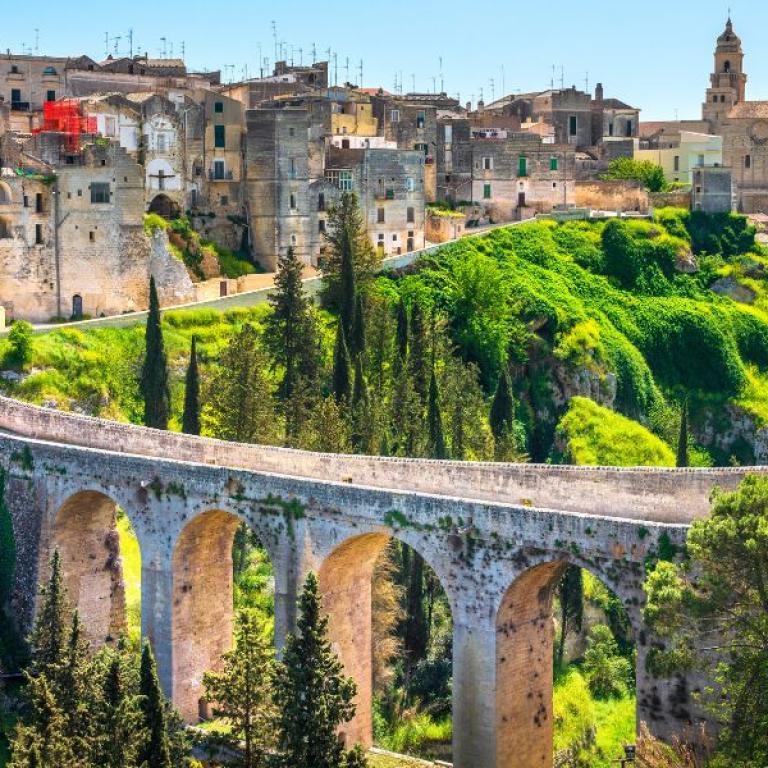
(335, 68)
(552, 81)
(586, 83)
(130, 43)
(562, 77)
(37, 41)
(171, 48)
(183, 50)
(346, 70)
(314, 53)
(291, 55)
(493, 90)
(442, 79)
(274, 35)
(164, 49)
(106, 44)
(301, 57)
(434, 84)
(413, 83)
(117, 42)
(361, 73)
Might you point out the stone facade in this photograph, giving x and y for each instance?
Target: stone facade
(497, 550)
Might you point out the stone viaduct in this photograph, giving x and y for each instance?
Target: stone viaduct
(496, 535)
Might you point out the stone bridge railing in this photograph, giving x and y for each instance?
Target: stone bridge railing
(652, 494)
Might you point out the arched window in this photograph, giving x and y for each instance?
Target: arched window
(50, 71)
(727, 66)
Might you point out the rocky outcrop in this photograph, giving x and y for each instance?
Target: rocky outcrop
(174, 285)
(728, 286)
(734, 431)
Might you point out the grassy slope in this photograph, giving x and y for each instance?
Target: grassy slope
(597, 436)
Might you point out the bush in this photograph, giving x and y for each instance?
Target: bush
(608, 673)
(20, 343)
(650, 174)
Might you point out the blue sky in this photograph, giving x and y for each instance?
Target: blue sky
(656, 54)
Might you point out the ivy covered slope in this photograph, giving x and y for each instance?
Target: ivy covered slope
(622, 313)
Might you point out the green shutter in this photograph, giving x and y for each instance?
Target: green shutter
(552, 163)
(487, 191)
(522, 167)
(219, 134)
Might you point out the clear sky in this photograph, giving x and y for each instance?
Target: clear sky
(656, 54)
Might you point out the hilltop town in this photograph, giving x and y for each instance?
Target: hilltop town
(89, 150)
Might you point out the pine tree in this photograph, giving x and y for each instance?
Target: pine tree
(502, 408)
(240, 403)
(292, 337)
(190, 423)
(437, 447)
(154, 373)
(48, 637)
(682, 442)
(72, 686)
(341, 365)
(312, 695)
(570, 592)
(357, 345)
(356, 758)
(242, 691)
(154, 751)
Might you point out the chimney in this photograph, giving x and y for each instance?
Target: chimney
(481, 106)
(599, 93)
(469, 106)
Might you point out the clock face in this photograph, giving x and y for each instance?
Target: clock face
(760, 132)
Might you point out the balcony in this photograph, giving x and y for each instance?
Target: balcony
(220, 175)
(20, 106)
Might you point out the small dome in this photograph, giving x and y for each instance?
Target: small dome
(729, 38)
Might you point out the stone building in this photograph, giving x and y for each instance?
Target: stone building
(742, 124)
(284, 81)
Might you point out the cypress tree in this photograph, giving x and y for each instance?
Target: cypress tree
(312, 695)
(437, 447)
(419, 357)
(348, 297)
(357, 343)
(48, 637)
(416, 634)
(154, 751)
(360, 410)
(341, 365)
(502, 409)
(682, 441)
(570, 590)
(356, 758)
(72, 686)
(191, 417)
(402, 333)
(154, 373)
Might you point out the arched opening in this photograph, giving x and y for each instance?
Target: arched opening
(77, 307)
(557, 694)
(727, 67)
(5, 194)
(218, 567)
(88, 532)
(5, 228)
(163, 206)
(390, 624)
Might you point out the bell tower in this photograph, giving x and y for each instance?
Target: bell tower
(728, 83)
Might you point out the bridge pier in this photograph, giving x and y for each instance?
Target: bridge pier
(157, 618)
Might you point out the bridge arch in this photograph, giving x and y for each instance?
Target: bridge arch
(346, 584)
(85, 534)
(525, 635)
(203, 597)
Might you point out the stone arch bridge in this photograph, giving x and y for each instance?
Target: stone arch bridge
(497, 536)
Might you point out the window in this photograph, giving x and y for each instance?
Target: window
(291, 132)
(340, 179)
(410, 184)
(50, 71)
(218, 169)
(321, 226)
(487, 191)
(552, 163)
(99, 192)
(39, 202)
(15, 95)
(448, 134)
(380, 215)
(410, 215)
(223, 199)
(727, 66)
(421, 117)
(522, 166)
(394, 238)
(26, 201)
(14, 69)
(50, 95)
(293, 202)
(321, 202)
(422, 148)
(218, 107)
(573, 125)
(701, 161)
(161, 142)
(487, 163)
(92, 236)
(219, 136)
(747, 161)
(38, 234)
(629, 128)
(677, 163)
(394, 116)
(292, 168)
(110, 126)
(722, 98)
(610, 129)
(714, 98)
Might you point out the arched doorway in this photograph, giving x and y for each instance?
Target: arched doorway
(212, 552)
(77, 307)
(527, 720)
(392, 662)
(86, 535)
(163, 206)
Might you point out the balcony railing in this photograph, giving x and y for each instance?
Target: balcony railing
(20, 106)
(220, 175)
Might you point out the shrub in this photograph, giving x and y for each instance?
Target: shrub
(20, 343)
(607, 672)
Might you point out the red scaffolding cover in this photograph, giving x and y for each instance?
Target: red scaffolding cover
(66, 116)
